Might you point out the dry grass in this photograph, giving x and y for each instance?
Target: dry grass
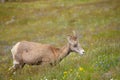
(97, 23)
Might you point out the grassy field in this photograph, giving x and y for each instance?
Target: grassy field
(50, 21)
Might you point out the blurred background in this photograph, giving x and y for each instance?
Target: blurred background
(97, 23)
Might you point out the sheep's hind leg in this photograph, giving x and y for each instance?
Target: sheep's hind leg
(14, 68)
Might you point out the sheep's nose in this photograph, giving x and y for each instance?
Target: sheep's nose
(82, 51)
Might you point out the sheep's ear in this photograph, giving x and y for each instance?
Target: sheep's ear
(69, 38)
(74, 33)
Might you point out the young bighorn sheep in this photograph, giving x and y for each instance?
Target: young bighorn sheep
(33, 53)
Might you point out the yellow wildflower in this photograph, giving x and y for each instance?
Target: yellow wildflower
(81, 69)
(65, 72)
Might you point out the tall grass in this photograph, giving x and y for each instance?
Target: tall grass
(97, 24)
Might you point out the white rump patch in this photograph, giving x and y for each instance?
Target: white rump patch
(14, 49)
(14, 52)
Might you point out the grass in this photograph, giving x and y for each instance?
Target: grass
(97, 24)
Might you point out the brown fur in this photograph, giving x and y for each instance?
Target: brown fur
(33, 53)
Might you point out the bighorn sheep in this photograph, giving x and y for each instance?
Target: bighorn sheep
(33, 53)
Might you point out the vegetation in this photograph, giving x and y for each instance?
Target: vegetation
(49, 21)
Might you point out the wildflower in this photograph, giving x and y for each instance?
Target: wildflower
(65, 72)
(81, 69)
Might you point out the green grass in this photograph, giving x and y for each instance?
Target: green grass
(96, 21)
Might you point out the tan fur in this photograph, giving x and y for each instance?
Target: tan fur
(33, 53)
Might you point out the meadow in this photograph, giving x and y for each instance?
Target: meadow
(97, 23)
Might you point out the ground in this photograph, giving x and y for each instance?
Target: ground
(50, 21)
